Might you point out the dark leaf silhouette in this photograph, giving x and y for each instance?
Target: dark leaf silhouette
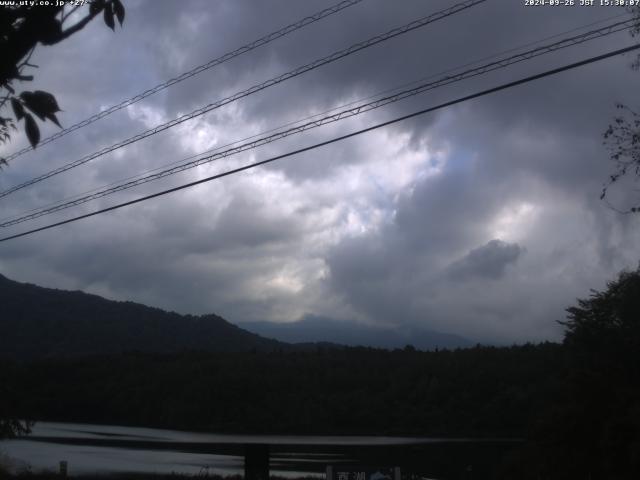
(18, 109)
(50, 30)
(54, 119)
(108, 16)
(118, 8)
(43, 104)
(22, 29)
(96, 6)
(32, 130)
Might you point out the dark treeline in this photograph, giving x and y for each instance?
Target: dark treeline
(484, 391)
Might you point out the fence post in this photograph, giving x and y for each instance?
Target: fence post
(397, 475)
(256, 462)
(329, 472)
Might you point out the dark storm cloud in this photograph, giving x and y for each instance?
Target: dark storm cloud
(422, 223)
(488, 261)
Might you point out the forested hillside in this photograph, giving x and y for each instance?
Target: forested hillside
(38, 322)
(475, 392)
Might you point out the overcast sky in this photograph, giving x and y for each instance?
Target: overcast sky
(482, 219)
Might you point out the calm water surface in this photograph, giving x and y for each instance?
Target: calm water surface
(116, 449)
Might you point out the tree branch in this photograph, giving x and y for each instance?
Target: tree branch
(78, 26)
(68, 14)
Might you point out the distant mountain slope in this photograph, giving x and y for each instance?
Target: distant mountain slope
(318, 329)
(37, 322)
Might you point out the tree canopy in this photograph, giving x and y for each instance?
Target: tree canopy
(603, 342)
(591, 427)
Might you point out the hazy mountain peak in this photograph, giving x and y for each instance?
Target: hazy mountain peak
(312, 328)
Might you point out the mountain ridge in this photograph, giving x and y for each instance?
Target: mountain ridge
(40, 322)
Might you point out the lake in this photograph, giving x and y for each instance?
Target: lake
(108, 449)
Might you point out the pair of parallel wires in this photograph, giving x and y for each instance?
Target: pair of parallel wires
(422, 22)
(323, 120)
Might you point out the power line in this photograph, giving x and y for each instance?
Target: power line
(256, 88)
(195, 71)
(470, 73)
(324, 112)
(333, 140)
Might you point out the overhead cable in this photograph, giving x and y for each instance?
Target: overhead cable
(193, 72)
(473, 72)
(505, 86)
(256, 88)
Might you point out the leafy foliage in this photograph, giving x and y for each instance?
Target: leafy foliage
(10, 428)
(622, 136)
(603, 338)
(623, 140)
(591, 428)
(635, 31)
(608, 320)
(22, 28)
